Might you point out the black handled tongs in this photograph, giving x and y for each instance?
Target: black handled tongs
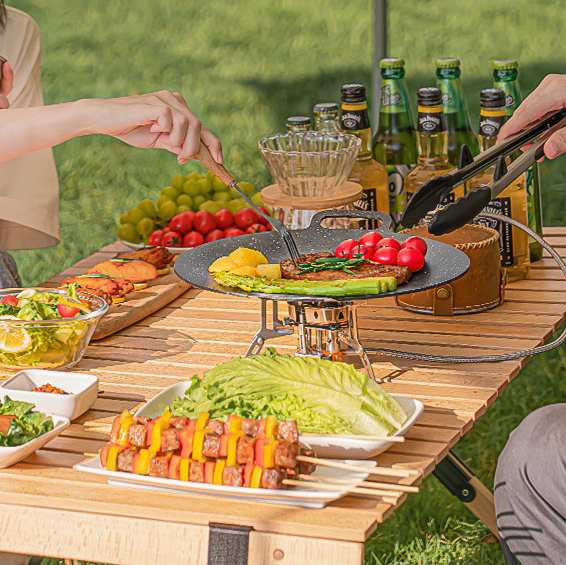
(465, 209)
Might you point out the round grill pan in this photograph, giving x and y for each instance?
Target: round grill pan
(444, 263)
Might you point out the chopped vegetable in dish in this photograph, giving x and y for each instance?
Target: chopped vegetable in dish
(19, 424)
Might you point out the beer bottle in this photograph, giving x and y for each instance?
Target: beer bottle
(432, 159)
(454, 109)
(326, 116)
(367, 172)
(512, 202)
(395, 142)
(505, 76)
(298, 123)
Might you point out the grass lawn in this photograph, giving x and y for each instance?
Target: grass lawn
(244, 66)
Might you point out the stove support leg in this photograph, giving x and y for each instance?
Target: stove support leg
(357, 348)
(265, 332)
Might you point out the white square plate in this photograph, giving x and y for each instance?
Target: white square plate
(12, 455)
(295, 496)
(82, 389)
(328, 446)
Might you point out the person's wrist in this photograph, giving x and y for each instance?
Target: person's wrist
(86, 116)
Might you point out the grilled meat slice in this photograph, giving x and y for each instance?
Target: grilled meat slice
(196, 472)
(211, 445)
(159, 257)
(112, 286)
(159, 467)
(245, 450)
(285, 454)
(249, 427)
(178, 423)
(272, 478)
(170, 439)
(233, 476)
(125, 461)
(365, 270)
(288, 431)
(136, 435)
(215, 427)
(134, 270)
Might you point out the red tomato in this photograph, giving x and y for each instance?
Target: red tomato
(155, 238)
(67, 311)
(416, 243)
(204, 222)
(389, 242)
(172, 239)
(233, 232)
(182, 223)
(224, 219)
(371, 239)
(412, 258)
(193, 239)
(166, 229)
(10, 300)
(345, 248)
(246, 217)
(214, 235)
(385, 255)
(255, 228)
(262, 220)
(358, 251)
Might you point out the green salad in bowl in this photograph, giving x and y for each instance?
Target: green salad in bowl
(46, 329)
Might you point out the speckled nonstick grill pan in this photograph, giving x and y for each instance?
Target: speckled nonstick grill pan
(444, 263)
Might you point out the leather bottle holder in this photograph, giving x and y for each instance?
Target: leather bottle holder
(481, 288)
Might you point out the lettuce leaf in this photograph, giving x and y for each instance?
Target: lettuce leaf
(27, 425)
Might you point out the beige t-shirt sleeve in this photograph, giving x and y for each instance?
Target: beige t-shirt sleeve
(29, 188)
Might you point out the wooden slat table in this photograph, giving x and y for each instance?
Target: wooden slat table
(47, 508)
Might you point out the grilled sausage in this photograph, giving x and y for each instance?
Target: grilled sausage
(170, 439)
(272, 478)
(196, 472)
(159, 467)
(125, 461)
(136, 435)
(211, 445)
(245, 450)
(285, 454)
(288, 431)
(233, 476)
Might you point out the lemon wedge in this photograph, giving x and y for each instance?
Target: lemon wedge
(13, 339)
(27, 293)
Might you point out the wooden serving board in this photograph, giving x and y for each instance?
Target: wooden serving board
(138, 304)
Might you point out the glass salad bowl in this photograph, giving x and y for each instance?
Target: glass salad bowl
(312, 163)
(46, 343)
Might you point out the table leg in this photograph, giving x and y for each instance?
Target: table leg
(460, 480)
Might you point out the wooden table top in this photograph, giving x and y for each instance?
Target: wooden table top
(79, 515)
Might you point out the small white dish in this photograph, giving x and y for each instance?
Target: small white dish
(295, 496)
(329, 446)
(82, 389)
(12, 455)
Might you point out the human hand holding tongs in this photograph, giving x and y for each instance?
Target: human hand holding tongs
(457, 214)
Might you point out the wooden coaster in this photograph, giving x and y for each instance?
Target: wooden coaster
(274, 198)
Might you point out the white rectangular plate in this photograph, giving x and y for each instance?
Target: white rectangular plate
(295, 496)
(328, 446)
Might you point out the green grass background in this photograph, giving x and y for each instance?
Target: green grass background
(244, 66)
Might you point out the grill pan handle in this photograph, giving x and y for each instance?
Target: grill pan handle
(385, 221)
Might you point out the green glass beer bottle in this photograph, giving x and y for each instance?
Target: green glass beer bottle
(505, 75)
(454, 109)
(298, 123)
(326, 116)
(395, 141)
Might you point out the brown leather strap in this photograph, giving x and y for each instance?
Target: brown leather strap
(443, 301)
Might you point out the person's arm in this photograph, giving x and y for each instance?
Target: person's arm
(548, 97)
(6, 82)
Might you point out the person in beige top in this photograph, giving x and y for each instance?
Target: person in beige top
(29, 210)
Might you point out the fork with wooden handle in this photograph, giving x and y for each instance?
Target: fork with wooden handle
(222, 173)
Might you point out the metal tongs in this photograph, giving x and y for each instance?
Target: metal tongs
(457, 214)
(222, 173)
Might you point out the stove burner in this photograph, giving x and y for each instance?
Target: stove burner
(324, 330)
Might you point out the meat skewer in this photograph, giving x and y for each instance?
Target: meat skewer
(393, 488)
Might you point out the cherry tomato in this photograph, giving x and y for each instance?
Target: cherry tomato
(389, 242)
(172, 239)
(345, 248)
(182, 223)
(416, 243)
(412, 258)
(215, 235)
(193, 239)
(262, 220)
(256, 228)
(246, 217)
(224, 219)
(371, 239)
(67, 311)
(204, 222)
(11, 300)
(233, 232)
(358, 251)
(155, 238)
(385, 255)
(166, 229)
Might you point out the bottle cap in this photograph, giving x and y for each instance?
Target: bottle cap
(504, 64)
(353, 93)
(298, 121)
(323, 107)
(447, 62)
(392, 63)
(492, 98)
(429, 96)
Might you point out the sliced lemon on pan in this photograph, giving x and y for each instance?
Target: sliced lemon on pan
(13, 339)
(27, 293)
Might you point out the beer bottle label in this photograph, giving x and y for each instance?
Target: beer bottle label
(512, 95)
(355, 117)
(430, 120)
(392, 97)
(452, 101)
(501, 206)
(368, 201)
(396, 183)
(491, 122)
